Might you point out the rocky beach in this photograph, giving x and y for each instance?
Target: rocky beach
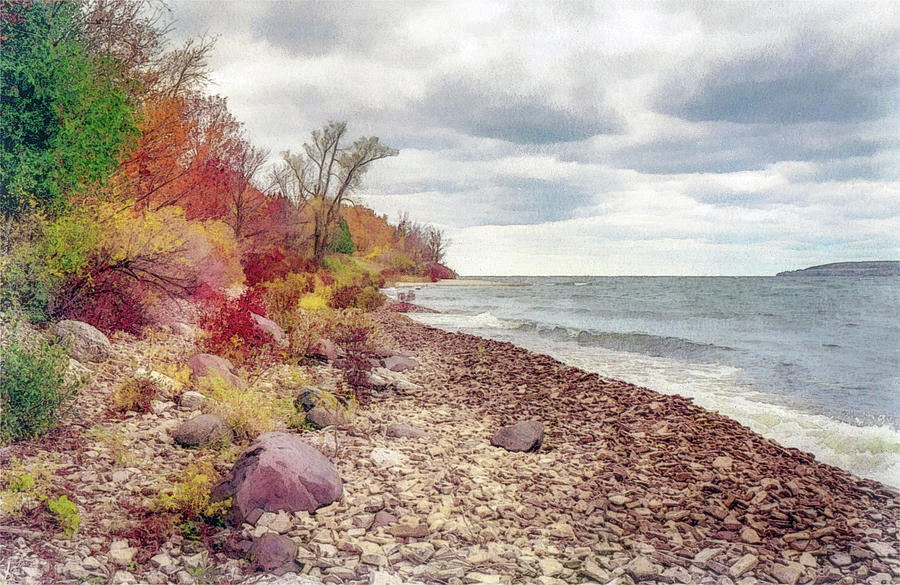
(609, 483)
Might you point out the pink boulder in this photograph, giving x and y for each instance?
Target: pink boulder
(524, 436)
(269, 326)
(279, 472)
(206, 365)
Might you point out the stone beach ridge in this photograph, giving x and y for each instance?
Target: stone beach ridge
(627, 486)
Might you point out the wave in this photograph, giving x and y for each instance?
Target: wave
(640, 343)
(672, 365)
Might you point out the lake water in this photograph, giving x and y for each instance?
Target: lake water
(812, 363)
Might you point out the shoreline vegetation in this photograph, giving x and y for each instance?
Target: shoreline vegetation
(628, 486)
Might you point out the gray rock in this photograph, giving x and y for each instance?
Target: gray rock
(321, 417)
(202, 430)
(399, 363)
(399, 430)
(269, 326)
(86, 342)
(274, 553)
(192, 399)
(206, 365)
(279, 472)
(523, 436)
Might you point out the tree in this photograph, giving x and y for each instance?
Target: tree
(435, 244)
(324, 175)
(64, 122)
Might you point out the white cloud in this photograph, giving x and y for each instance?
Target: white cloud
(608, 138)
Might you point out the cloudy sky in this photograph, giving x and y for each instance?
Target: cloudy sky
(604, 138)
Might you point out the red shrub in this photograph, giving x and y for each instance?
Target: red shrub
(109, 301)
(344, 297)
(232, 332)
(436, 272)
(272, 264)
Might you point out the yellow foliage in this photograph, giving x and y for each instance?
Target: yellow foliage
(189, 498)
(24, 487)
(317, 301)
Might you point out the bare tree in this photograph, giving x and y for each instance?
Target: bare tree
(436, 244)
(244, 200)
(325, 174)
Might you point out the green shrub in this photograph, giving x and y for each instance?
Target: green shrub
(32, 388)
(343, 242)
(66, 513)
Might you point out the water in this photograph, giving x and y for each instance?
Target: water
(813, 363)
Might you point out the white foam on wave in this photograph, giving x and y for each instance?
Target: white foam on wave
(868, 451)
(871, 451)
(456, 321)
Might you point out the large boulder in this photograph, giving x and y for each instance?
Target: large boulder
(279, 472)
(202, 430)
(524, 436)
(269, 326)
(207, 365)
(86, 342)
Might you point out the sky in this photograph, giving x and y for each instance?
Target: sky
(591, 138)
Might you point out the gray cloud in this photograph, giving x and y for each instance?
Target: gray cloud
(810, 82)
(521, 118)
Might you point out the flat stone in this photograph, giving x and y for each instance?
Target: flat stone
(640, 567)
(122, 556)
(524, 436)
(122, 577)
(321, 417)
(399, 430)
(592, 570)
(840, 559)
(884, 550)
(787, 574)
(723, 463)
(706, 555)
(794, 536)
(743, 564)
(749, 535)
(162, 560)
(387, 457)
(807, 560)
(550, 567)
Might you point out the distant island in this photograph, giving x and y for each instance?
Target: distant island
(877, 268)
